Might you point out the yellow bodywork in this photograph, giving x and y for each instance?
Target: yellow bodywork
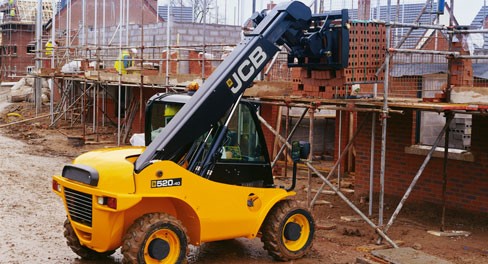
(210, 211)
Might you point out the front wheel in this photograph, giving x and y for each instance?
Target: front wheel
(155, 238)
(287, 231)
(80, 250)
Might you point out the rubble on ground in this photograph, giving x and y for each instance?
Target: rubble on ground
(23, 90)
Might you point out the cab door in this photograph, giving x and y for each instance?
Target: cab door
(243, 158)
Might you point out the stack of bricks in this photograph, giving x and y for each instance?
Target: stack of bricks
(461, 69)
(196, 64)
(367, 45)
(173, 64)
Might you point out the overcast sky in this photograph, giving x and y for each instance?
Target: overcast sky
(464, 10)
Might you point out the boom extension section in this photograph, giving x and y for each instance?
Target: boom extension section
(325, 44)
(287, 24)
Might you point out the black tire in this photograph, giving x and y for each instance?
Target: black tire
(155, 238)
(80, 250)
(288, 231)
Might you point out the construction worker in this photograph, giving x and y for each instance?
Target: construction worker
(49, 52)
(170, 111)
(12, 7)
(49, 48)
(124, 61)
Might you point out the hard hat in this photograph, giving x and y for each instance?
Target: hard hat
(133, 50)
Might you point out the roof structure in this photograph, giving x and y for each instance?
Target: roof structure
(178, 13)
(152, 5)
(25, 11)
(479, 21)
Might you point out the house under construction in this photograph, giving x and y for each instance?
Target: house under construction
(406, 116)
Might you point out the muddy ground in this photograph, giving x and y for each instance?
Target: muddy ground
(32, 217)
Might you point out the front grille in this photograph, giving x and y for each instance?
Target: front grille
(79, 206)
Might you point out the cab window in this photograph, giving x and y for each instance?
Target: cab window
(161, 115)
(242, 142)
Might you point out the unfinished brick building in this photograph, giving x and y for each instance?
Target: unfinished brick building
(17, 50)
(425, 72)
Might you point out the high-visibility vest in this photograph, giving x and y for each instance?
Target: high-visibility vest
(122, 62)
(49, 48)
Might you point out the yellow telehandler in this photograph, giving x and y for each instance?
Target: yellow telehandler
(204, 173)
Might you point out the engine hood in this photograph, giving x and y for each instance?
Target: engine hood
(112, 167)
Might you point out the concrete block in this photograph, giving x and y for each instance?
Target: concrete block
(210, 39)
(371, 247)
(186, 39)
(407, 255)
(198, 38)
(193, 31)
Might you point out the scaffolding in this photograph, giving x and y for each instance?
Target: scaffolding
(434, 48)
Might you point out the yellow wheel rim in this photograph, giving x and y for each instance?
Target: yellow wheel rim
(297, 244)
(171, 249)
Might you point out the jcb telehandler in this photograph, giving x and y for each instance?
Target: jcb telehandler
(204, 174)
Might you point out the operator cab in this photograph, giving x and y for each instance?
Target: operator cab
(160, 109)
(242, 157)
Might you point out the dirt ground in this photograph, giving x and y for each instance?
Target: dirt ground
(32, 216)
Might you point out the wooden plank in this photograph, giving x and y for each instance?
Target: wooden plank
(377, 103)
(469, 95)
(330, 192)
(322, 202)
(351, 218)
(322, 225)
(451, 233)
(125, 78)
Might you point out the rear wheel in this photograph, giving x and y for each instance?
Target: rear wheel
(80, 250)
(287, 231)
(155, 238)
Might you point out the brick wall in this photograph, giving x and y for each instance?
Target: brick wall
(270, 114)
(173, 64)
(195, 64)
(461, 69)
(139, 120)
(344, 135)
(182, 34)
(407, 87)
(467, 181)
(17, 63)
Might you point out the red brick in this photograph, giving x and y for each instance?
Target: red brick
(467, 183)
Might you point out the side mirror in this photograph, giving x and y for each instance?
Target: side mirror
(299, 150)
(304, 149)
(295, 151)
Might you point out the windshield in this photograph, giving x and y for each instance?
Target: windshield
(160, 115)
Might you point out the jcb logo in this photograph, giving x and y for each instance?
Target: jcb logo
(247, 69)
